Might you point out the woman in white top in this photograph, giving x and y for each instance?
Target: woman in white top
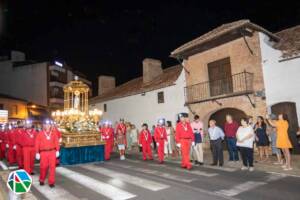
(134, 136)
(245, 138)
(170, 146)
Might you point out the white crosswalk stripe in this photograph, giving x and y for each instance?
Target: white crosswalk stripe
(3, 165)
(137, 181)
(240, 188)
(157, 173)
(194, 172)
(102, 188)
(57, 193)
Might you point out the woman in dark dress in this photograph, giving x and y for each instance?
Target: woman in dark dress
(262, 139)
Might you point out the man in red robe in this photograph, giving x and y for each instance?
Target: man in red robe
(47, 150)
(11, 145)
(145, 141)
(28, 138)
(107, 134)
(160, 135)
(2, 143)
(19, 132)
(184, 138)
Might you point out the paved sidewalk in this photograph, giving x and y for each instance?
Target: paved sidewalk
(267, 166)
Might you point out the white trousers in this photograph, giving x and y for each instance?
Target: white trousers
(198, 152)
(168, 147)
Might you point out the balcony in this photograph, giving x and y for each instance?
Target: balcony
(235, 85)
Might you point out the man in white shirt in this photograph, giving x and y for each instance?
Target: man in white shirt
(216, 136)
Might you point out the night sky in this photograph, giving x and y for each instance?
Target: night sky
(112, 37)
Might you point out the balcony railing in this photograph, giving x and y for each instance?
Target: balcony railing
(237, 84)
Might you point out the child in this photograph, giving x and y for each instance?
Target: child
(145, 141)
(121, 141)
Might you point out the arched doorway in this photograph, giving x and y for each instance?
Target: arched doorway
(289, 108)
(220, 115)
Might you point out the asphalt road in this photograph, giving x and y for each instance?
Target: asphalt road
(147, 180)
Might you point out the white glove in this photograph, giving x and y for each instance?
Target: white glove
(60, 140)
(157, 144)
(140, 145)
(178, 145)
(14, 147)
(57, 154)
(193, 144)
(166, 143)
(7, 146)
(0, 141)
(37, 156)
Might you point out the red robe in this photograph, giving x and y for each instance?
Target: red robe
(11, 154)
(108, 136)
(19, 133)
(58, 133)
(160, 136)
(145, 139)
(185, 136)
(123, 129)
(2, 144)
(28, 138)
(47, 148)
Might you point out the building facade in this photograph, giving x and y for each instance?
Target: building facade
(41, 83)
(157, 94)
(238, 69)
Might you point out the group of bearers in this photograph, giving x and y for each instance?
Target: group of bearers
(22, 144)
(184, 139)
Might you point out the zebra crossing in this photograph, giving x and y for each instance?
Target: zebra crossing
(140, 178)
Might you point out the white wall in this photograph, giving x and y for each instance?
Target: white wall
(26, 82)
(139, 109)
(282, 79)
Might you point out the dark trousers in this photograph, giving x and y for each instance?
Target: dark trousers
(154, 143)
(232, 149)
(247, 156)
(217, 151)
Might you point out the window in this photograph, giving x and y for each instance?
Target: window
(105, 107)
(1, 106)
(160, 97)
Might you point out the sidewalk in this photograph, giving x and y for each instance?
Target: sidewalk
(267, 166)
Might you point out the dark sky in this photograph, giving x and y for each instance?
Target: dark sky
(112, 37)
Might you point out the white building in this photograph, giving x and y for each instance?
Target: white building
(158, 93)
(40, 83)
(281, 71)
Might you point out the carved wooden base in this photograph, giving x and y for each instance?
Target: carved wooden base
(81, 139)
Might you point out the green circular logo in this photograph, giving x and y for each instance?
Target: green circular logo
(19, 181)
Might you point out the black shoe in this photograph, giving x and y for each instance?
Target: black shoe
(52, 186)
(213, 164)
(221, 165)
(32, 173)
(201, 163)
(196, 162)
(42, 183)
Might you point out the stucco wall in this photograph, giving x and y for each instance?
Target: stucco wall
(138, 109)
(281, 79)
(241, 59)
(18, 81)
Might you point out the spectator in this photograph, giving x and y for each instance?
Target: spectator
(262, 139)
(245, 138)
(283, 142)
(230, 129)
(128, 136)
(273, 135)
(216, 136)
(153, 139)
(134, 136)
(170, 146)
(197, 126)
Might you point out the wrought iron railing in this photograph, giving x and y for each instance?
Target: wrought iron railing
(237, 84)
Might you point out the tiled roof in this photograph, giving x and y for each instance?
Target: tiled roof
(219, 31)
(289, 42)
(136, 86)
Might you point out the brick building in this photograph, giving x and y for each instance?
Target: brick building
(226, 72)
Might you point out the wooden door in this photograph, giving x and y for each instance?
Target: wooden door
(220, 79)
(289, 108)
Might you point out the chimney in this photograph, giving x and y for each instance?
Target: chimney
(106, 84)
(151, 69)
(17, 56)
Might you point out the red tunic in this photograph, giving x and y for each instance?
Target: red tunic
(28, 137)
(184, 131)
(107, 134)
(160, 133)
(11, 138)
(122, 128)
(43, 144)
(19, 134)
(145, 137)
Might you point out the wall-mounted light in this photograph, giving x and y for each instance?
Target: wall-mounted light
(58, 63)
